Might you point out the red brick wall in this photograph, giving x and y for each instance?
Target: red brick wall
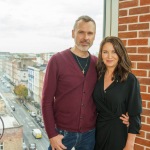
(134, 30)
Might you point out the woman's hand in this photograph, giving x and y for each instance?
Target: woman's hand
(125, 119)
(129, 147)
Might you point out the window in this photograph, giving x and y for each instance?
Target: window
(110, 18)
(24, 66)
(38, 41)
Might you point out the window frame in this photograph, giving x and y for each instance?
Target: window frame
(110, 21)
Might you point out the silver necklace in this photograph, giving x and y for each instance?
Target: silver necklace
(83, 68)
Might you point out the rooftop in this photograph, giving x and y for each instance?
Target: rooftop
(9, 121)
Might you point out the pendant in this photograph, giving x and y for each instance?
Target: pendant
(83, 71)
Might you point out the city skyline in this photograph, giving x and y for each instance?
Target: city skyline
(40, 26)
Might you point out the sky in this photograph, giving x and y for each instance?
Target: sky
(37, 26)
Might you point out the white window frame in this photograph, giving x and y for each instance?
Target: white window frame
(111, 12)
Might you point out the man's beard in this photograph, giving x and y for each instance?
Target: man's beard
(84, 48)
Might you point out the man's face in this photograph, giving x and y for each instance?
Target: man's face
(84, 35)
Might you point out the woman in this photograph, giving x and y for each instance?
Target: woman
(117, 92)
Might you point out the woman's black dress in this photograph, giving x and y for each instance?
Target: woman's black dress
(117, 99)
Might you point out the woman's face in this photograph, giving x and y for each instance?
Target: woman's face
(109, 56)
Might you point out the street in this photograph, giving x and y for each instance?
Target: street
(24, 118)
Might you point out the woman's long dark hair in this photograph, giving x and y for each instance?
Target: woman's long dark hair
(124, 64)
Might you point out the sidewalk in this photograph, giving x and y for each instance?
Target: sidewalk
(31, 107)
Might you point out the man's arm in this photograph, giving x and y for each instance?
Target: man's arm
(48, 93)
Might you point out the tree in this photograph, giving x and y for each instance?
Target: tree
(21, 91)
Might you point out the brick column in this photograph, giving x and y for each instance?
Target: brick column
(134, 30)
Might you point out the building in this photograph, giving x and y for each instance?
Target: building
(35, 76)
(46, 56)
(30, 81)
(3, 57)
(42, 75)
(13, 132)
(20, 72)
(14, 68)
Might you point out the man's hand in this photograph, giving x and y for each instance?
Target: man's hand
(125, 119)
(56, 142)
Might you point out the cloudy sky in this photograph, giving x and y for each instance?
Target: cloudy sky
(35, 26)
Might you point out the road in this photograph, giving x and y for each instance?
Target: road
(24, 118)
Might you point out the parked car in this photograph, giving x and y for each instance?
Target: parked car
(3, 81)
(24, 146)
(37, 133)
(8, 85)
(33, 114)
(37, 119)
(41, 124)
(32, 146)
(12, 107)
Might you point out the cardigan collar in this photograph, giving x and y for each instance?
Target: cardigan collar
(72, 60)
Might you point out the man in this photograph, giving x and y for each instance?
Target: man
(67, 105)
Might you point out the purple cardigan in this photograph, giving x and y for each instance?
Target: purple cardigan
(67, 101)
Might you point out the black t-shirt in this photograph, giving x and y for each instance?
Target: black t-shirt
(83, 63)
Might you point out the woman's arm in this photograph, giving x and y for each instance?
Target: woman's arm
(130, 142)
